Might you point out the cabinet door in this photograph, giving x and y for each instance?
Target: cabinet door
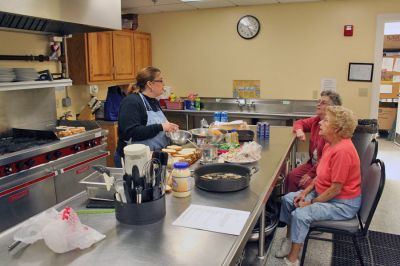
(100, 56)
(123, 55)
(142, 44)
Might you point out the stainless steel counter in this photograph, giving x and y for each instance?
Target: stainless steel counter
(161, 243)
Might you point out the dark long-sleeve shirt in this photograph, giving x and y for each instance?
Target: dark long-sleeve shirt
(316, 141)
(132, 120)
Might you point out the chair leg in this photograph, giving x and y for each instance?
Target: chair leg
(303, 254)
(357, 250)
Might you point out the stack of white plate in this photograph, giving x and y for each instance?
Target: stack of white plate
(26, 74)
(6, 74)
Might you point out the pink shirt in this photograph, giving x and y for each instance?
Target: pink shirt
(317, 143)
(339, 164)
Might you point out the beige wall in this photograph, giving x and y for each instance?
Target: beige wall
(297, 46)
(16, 43)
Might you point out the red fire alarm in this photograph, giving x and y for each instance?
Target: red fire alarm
(348, 30)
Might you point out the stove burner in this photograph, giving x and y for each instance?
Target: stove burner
(10, 144)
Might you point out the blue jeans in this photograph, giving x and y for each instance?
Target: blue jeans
(300, 219)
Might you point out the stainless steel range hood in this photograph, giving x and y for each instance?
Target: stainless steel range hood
(60, 16)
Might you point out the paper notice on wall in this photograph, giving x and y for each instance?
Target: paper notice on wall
(396, 78)
(396, 67)
(386, 89)
(387, 64)
(328, 84)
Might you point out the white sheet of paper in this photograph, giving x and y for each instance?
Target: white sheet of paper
(328, 84)
(360, 72)
(387, 64)
(386, 89)
(213, 219)
(396, 78)
(396, 67)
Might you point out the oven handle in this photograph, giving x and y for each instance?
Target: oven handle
(26, 184)
(71, 167)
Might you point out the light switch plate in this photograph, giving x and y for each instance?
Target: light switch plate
(315, 94)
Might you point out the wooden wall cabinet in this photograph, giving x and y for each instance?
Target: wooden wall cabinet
(107, 57)
(142, 47)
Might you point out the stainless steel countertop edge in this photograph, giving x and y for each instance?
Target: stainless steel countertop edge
(241, 241)
(196, 112)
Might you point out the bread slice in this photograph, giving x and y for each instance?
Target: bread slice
(174, 147)
(170, 151)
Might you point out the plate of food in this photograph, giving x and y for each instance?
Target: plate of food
(249, 153)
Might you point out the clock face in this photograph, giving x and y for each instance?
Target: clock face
(248, 27)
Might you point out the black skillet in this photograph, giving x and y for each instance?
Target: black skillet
(223, 185)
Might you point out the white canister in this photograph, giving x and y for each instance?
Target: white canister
(136, 154)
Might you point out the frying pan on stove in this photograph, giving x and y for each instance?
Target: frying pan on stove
(222, 184)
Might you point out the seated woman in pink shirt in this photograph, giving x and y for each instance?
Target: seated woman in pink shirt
(334, 194)
(301, 176)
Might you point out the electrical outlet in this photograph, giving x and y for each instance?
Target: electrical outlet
(363, 92)
(93, 89)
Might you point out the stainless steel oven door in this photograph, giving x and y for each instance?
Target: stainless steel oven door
(25, 194)
(74, 168)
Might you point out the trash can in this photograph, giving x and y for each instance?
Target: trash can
(365, 131)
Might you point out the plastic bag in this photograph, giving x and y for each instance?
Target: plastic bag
(61, 231)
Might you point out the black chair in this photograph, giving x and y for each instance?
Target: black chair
(372, 187)
(369, 156)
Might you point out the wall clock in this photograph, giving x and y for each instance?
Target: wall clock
(248, 27)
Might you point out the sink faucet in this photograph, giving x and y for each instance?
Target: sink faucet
(241, 102)
(250, 103)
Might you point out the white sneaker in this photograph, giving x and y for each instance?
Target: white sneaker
(288, 262)
(284, 250)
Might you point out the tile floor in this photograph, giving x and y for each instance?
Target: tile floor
(386, 218)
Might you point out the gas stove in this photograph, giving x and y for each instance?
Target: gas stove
(24, 149)
(12, 144)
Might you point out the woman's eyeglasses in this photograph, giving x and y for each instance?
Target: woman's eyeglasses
(158, 80)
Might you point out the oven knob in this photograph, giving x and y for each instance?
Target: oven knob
(57, 154)
(76, 148)
(30, 163)
(94, 143)
(19, 166)
(8, 169)
(49, 156)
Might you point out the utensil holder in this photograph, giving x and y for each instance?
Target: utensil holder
(140, 214)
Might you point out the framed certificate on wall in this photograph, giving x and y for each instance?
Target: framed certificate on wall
(360, 72)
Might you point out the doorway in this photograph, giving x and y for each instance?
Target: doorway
(386, 82)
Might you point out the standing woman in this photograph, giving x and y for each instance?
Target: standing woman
(141, 119)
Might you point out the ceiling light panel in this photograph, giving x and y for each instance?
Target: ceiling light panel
(253, 2)
(139, 3)
(211, 4)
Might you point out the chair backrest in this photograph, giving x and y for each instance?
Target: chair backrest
(372, 187)
(368, 157)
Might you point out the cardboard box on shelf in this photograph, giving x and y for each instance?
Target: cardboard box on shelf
(386, 116)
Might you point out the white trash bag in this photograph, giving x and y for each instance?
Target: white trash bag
(61, 231)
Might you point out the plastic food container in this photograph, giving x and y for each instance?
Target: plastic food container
(182, 181)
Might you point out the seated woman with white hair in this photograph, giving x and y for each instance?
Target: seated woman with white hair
(335, 193)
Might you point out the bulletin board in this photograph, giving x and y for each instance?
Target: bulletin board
(390, 77)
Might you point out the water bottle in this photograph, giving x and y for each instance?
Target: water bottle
(224, 117)
(217, 116)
